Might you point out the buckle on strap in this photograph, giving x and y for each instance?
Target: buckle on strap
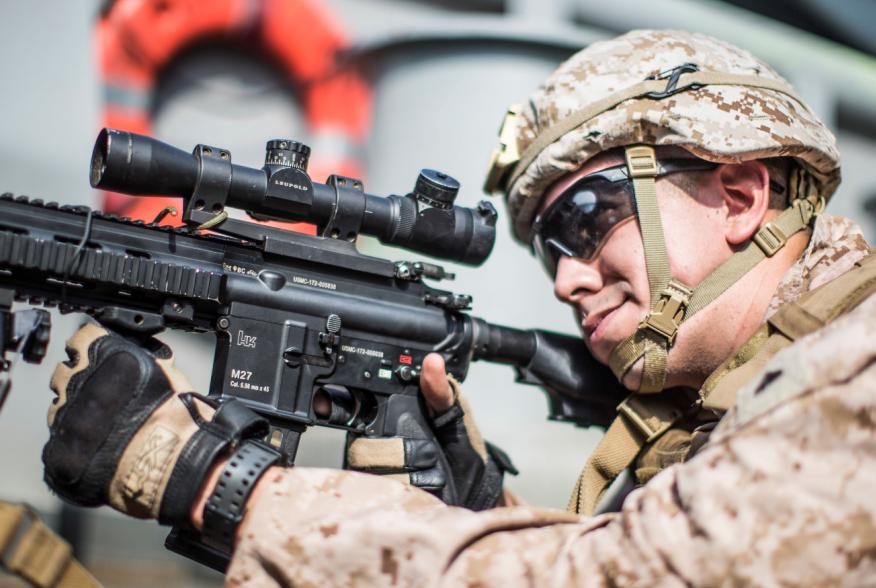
(770, 238)
(641, 161)
(29, 548)
(667, 315)
(651, 414)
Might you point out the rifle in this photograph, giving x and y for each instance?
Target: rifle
(296, 317)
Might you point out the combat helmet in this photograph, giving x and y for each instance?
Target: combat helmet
(652, 88)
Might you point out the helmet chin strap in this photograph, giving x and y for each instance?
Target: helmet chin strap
(672, 302)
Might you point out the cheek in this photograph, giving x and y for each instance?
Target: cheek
(622, 261)
(694, 240)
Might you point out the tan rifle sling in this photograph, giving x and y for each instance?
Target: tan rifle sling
(643, 418)
(32, 551)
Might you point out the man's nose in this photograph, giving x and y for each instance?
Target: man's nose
(575, 278)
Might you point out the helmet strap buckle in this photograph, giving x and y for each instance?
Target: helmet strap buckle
(770, 238)
(641, 161)
(668, 313)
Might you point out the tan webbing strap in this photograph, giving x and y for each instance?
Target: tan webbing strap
(29, 549)
(769, 239)
(627, 353)
(641, 419)
(823, 305)
(654, 370)
(642, 166)
(748, 350)
(653, 338)
(695, 79)
(656, 334)
(721, 392)
(794, 320)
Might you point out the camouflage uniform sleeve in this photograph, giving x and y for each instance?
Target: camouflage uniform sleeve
(782, 495)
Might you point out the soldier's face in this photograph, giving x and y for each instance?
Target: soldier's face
(610, 293)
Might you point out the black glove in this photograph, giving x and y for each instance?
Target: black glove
(476, 468)
(125, 431)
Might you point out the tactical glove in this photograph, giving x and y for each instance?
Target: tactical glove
(125, 431)
(475, 468)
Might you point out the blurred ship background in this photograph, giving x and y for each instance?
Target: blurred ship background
(431, 81)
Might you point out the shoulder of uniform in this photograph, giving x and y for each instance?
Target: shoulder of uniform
(836, 353)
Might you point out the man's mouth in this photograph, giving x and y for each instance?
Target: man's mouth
(596, 323)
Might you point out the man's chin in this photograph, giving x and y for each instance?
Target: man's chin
(601, 351)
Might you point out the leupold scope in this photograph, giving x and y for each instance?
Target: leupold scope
(425, 220)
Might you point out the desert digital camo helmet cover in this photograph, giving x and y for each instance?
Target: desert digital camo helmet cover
(599, 99)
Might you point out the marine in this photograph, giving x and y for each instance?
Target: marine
(673, 186)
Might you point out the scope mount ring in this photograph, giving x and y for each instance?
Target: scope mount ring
(213, 183)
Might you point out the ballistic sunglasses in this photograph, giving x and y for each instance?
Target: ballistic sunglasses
(578, 222)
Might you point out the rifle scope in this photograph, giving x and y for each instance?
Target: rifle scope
(424, 220)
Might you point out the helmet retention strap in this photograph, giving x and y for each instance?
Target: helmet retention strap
(671, 301)
(669, 298)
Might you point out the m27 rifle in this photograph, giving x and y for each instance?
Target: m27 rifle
(297, 317)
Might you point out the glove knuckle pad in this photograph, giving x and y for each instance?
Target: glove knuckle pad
(111, 397)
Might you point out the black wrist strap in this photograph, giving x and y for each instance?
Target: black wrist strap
(227, 504)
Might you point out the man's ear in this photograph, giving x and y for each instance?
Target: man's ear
(745, 190)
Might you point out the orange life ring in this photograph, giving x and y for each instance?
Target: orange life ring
(137, 39)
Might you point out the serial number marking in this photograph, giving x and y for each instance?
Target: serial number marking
(362, 351)
(315, 283)
(230, 267)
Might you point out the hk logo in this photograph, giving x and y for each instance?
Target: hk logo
(245, 340)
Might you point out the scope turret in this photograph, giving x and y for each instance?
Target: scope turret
(287, 153)
(436, 188)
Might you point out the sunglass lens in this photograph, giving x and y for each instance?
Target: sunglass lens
(577, 222)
